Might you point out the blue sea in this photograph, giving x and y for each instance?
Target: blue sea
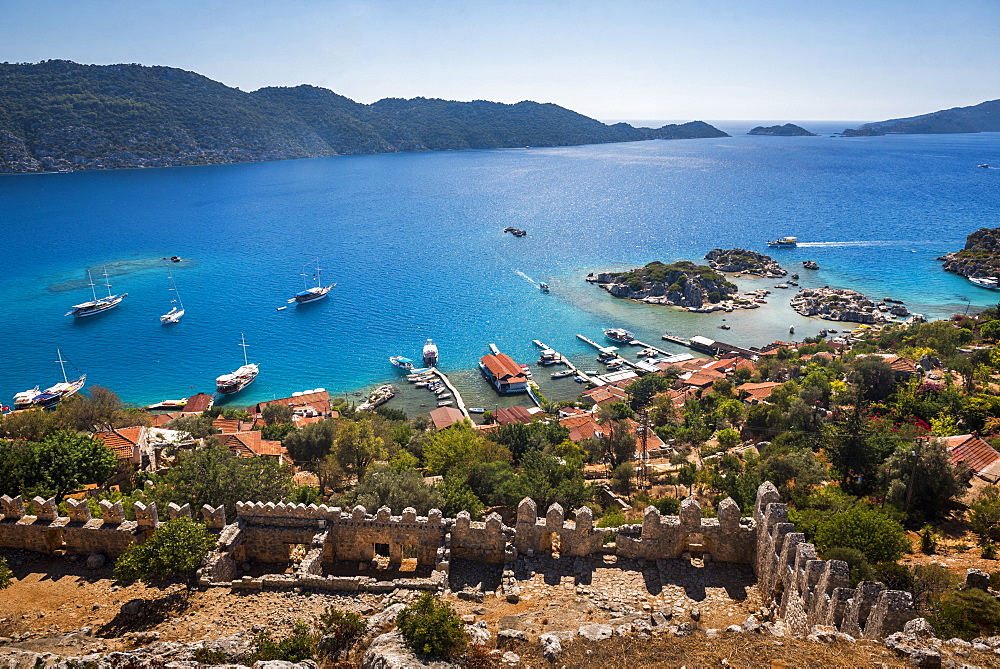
(415, 244)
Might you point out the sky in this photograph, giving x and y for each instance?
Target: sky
(631, 59)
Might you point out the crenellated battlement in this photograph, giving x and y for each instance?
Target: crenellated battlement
(807, 591)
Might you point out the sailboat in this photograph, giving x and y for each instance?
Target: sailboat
(60, 391)
(234, 382)
(317, 292)
(97, 305)
(177, 307)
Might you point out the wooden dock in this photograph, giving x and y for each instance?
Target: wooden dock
(459, 402)
(600, 348)
(565, 360)
(673, 339)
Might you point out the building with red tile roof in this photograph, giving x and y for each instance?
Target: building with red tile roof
(125, 442)
(514, 414)
(756, 392)
(198, 403)
(319, 401)
(251, 445)
(505, 374)
(603, 395)
(443, 417)
(981, 458)
(587, 427)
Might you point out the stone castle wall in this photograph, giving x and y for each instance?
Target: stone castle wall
(807, 591)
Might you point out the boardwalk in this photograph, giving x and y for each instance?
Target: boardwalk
(605, 348)
(459, 402)
(565, 360)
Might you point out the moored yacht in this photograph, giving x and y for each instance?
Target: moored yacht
(176, 306)
(234, 382)
(620, 335)
(311, 294)
(97, 305)
(53, 395)
(402, 362)
(26, 398)
(990, 282)
(430, 353)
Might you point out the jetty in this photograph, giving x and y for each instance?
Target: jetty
(564, 359)
(611, 350)
(459, 402)
(710, 346)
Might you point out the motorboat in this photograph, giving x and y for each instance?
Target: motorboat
(430, 353)
(402, 363)
(549, 357)
(564, 373)
(176, 306)
(477, 410)
(446, 403)
(311, 294)
(544, 287)
(620, 335)
(989, 282)
(785, 242)
(99, 304)
(234, 382)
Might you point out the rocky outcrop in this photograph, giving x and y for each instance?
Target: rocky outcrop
(681, 284)
(979, 258)
(838, 304)
(389, 651)
(743, 261)
(787, 130)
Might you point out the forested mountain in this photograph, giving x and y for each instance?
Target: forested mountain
(984, 117)
(62, 115)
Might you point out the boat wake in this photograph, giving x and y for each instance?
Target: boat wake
(526, 277)
(860, 243)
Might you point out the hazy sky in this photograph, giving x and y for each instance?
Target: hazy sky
(700, 59)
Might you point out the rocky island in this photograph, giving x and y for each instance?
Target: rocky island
(840, 304)
(979, 258)
(787, 130)
(984, 117)
(742, 261)
(681, 284)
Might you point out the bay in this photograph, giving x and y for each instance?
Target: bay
(415, 245)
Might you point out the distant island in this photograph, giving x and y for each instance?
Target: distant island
(984, 117)
(681, 284)
(61, 115)
(979, 258)
(787, 130)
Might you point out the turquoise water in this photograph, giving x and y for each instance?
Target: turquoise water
(415, 246)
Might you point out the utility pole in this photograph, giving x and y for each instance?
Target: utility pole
(643, 447)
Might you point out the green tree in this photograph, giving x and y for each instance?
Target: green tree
(63, 462)
(339, 631)
(456, 495)
(990, 330)
(275, 414)
(215, 476)
(966, 614)
(177, 548)
(617, 439)
(431, 627)
(298, 646)
(382, 485)
(198, 427)
(312, 442)
(460, 445)
(872, 377)
(643, 390)
(357, 446)
(876, 535)
(727, 438)
(922, 480)
(6, 576)
(984, 516)
(97, 410)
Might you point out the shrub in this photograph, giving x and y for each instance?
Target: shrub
(431, 627)
(298, 646)
(667, 506)
(895, 576)
(856, 562)
(613, 518)
(989, 552)
(928, 542)
(339, 631)
(211, 657)
(6, 577)
(966, 614)
(870, 531)
(176, 548)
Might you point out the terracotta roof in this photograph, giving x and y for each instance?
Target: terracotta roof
(319, 401)
(122, 441)
(602, 395)
(443, 417)
(581, 427)
(514, 414)
(161, 419)
(975, 454)
(502, 366)
(758, 391)
(198, 403)
(227, 425)
(701, 379)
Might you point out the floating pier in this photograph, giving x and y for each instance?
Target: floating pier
(565, 360)
(605, 349)
(459, 402)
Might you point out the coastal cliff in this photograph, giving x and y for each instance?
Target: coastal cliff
(60, 115)
(743, 261)
(979, 258)
(840, 304)
(787, 130)
(984, 117)
(681, 284)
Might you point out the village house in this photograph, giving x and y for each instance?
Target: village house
(505, 374)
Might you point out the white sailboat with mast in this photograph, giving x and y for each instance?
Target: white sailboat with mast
(317, 292)
(97, 305)
(234, 382)
(60, 391)
(176, 308)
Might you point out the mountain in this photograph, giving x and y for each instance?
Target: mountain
(984, 117)
(787, 130)
(59, 115)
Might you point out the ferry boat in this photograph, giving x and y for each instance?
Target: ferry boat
(403, 363)
(784, 242)
(317, 292)
(989, 282)
(620, 335)
(177, 308)
(97, 305)
(430, 353)
(234, 382)
(52, 396)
